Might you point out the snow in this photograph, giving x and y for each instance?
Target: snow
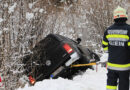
(29, 16)
(90, 80)
(0, 32)
(31, 5)
(104, 57)
(6, 29)
(11, 8)
(1, 20)
(41, 10)
(6, 5)
(62, 0)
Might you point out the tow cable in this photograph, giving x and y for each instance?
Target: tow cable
(103, 64)
(83, 65)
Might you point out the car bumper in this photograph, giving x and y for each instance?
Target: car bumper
(74, 57)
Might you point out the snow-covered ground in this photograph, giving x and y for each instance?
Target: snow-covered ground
(89, 80)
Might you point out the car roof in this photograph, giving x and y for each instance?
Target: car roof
(61, 38)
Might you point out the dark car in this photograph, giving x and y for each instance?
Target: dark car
(53, 56)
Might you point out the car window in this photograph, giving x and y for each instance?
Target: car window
(67, 39)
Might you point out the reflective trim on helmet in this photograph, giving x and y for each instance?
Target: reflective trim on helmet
(121, 11)
(109, 87)
(117, 36)
(105, 49)
(120, 16)
(104, 43)
(128, 43)
(120, 67)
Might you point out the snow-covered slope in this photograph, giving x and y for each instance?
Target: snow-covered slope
(90, 80)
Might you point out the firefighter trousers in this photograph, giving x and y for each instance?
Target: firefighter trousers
(117, 78)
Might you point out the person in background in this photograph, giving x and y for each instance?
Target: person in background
(116, 41)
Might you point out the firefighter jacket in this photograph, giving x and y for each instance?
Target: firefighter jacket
(117, 41)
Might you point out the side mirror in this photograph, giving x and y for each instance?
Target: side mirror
(79, 40)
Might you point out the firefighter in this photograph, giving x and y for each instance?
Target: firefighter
(116, 41)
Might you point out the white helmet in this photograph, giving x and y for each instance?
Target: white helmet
(120, 12)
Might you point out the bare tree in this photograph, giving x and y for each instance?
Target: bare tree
(23, 23)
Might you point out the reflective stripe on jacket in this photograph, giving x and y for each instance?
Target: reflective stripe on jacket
(111, 87)
(119, 67)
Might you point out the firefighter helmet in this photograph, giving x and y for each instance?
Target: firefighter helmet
(120, 12)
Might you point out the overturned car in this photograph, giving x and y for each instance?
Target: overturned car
(54, 56)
